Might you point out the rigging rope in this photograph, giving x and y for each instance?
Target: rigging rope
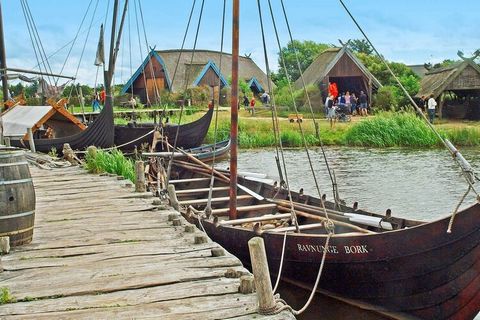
(36, 35)
(156, 90)
(32, 39)
(208, 208)
(140, 55)
(274, 115)
(317, 130)
(84, 46)
(76, 36)
(186, 86)
(298, 122)
(414, 104)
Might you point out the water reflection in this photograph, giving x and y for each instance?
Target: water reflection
(420, 184)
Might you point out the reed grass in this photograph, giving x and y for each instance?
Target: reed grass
(391, 130)
(110, 161)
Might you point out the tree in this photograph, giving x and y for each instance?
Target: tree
(360, 46)
(307, 51)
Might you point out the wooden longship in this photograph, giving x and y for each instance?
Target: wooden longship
(415, 271)
(190, 135)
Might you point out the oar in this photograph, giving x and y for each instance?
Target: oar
(221, 175)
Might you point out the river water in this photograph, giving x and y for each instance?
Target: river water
(416, 184)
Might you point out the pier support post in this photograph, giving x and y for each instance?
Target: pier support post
(7, 141)
(31, 142)
(4, 245)
(172, 195)
(139, 177)
(263, 285)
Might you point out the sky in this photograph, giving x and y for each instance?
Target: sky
(408, 31)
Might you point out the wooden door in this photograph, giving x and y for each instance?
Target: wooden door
(153, 89)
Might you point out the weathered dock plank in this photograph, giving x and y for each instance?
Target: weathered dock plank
(101, 251)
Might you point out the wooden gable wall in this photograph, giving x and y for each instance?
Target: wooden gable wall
(158, 71)
(209, 79)
(345, 67)
(468, 79)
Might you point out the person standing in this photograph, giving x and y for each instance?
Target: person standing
(353, 100)
(363, 103)
(252, 105)
(431, 108)
(331, 111)
(102, 97)
(95, 101)
(246, 102)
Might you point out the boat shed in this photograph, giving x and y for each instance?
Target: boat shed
(52, 121)
(175, 70)
(340, 66)
(456, 89)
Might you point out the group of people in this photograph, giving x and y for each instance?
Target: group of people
(344, 103)
(98, 100)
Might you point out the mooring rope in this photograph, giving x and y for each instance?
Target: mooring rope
(281, 305)
(124, 144)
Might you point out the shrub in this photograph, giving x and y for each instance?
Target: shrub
(385, 99)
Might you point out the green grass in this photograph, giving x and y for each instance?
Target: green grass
(391, 130)
(5, 296)
(110, 161)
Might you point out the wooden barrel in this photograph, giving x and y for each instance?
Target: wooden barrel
(17, 198)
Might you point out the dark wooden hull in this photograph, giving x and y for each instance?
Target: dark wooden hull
(206, 153)
(420, 272)
(99, 134)
(190, 135)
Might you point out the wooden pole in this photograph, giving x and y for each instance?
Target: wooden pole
(261, 273)
(234, 111)
(7, 141)
(140, 176)
(3, 61)
(30, 139)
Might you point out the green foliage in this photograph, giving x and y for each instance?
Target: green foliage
(244, 88)
(114, 161)
(53, 152)
(307, 51)
(385, 99)
(391, 130)
(5, 296)
(360, 46)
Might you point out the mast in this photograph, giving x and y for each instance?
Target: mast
(3, 60)
(234, 111)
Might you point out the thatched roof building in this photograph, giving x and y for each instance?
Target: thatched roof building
(174, 70)
(457, 87)
(341, 66)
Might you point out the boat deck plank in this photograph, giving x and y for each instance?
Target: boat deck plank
(101, 251)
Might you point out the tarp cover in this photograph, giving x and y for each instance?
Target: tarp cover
(16, 121)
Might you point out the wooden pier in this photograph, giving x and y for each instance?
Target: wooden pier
(101, 251)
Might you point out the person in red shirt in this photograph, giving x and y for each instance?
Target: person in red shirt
(102, 97)
(333, 90)
(252, 105)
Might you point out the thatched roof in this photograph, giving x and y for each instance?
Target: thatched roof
(464, 75)
(194, 70)
(325, 62)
